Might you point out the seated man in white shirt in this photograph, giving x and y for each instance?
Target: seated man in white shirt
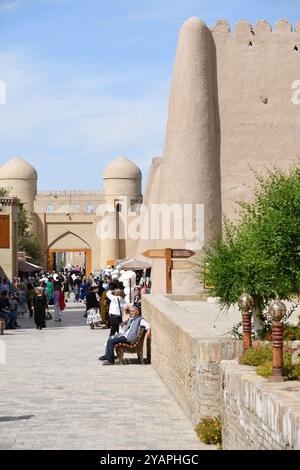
(129, 335)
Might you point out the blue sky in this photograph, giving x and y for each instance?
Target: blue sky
(88, 80)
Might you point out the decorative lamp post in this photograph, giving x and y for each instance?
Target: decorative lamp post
(277, 311)
(246, 303)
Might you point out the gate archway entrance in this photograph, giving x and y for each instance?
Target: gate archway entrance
(69, 247)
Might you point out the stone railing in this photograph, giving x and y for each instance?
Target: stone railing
(185, 353)
(258, 414)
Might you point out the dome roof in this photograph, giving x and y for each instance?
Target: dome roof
(122, 168)
(68, 209)
(18, 169)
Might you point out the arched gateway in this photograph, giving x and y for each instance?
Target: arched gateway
(69, 248)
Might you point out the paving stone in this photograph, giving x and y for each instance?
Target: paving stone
(58, 395)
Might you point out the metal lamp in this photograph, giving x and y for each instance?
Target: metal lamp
(245, 304)
(277, 311)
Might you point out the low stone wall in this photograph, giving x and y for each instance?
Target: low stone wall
(187, 353)
(258, 414)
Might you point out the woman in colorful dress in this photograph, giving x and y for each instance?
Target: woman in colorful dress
(50, 288)
(104, 309)
(59, 303)
(83, 290)
(92, 307)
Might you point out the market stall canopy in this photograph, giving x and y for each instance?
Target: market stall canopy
(134, 265)
(26, 267)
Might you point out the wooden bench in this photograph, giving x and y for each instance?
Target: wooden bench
(2, 326)
(136, 347)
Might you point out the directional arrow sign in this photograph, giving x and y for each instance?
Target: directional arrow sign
(161, 253)
(182, 253)
(155, 253)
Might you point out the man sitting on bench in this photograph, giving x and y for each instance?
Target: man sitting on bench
(129, 335)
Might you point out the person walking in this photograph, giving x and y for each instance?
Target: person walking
(66, 289)
(83, 291)
(50, 289)
(116, 309)
(39, 308)
(58, 301)
(93, 308)
(22, 306)
(29, 298)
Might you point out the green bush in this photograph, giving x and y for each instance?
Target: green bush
(261, 358)
(261, 253)
(256, 356)
(265, 370)
(293, 373)
(209, 430)
(291, 332)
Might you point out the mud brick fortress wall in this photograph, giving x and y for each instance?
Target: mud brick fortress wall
(187, 360)
(232, 105)
(257, 414)
(202, 373)
(259, 122)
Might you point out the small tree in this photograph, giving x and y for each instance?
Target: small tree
(32, 246)
(261, 254)
(3, 192)
(23, 222)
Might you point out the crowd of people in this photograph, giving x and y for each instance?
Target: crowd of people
(103, 296)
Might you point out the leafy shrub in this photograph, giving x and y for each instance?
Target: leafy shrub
(209, 430)
(293, 372)
(291, 332)
(260, 254)
(265, 370)
(261, 358)
(256, 356)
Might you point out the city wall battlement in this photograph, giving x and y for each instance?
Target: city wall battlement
(260, 27)
(73, 192)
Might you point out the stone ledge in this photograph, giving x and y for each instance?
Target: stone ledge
(187, 355)
(252, 404)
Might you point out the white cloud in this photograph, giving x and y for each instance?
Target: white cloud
(14, 5)
(9, 6)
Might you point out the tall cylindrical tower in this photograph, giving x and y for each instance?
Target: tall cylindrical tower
(190, 173)
(122, 180)
(191, 164)
(109, 239)
(122, 193)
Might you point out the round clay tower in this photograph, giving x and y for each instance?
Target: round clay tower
(20, 178)
(122, 190)
(122, 180)
(191, 163)
(190, 172)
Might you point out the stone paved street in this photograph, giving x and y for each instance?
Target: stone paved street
(55, 394)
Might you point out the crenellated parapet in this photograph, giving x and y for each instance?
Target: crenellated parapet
(73, 192)
(260, 27)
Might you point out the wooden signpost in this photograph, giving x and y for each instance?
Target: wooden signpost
(169, 254)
